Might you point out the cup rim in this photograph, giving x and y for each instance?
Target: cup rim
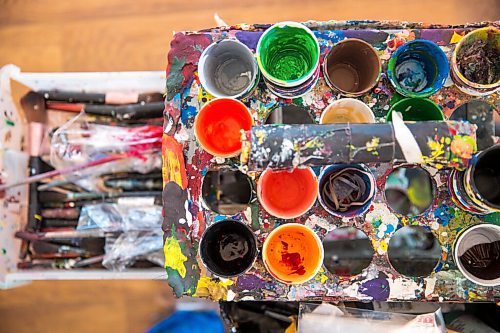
(203, 80)
(319, 264)
(254, 257)
(361, 167)
(284, 83)
(391, 74)
(196, 127)
(348, 99)
(388, 116)
(259, 196)
(460, 76)
(344, 92)
(456, 258)
(472, 182)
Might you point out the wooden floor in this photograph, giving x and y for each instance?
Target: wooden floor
(119, 35)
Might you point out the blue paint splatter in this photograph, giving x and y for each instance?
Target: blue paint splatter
(188, 113)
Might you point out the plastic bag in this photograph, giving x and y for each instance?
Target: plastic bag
(78, 142)
(314, 318)
(131, 246)
(112, 217)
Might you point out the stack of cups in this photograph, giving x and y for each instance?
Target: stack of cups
(288, 57)
(477, 189)
(474, 62)
(417, 69)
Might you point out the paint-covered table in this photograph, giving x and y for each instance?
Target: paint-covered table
(186, 215)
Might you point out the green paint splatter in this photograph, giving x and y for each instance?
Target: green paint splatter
(9, 122)
(4, 251)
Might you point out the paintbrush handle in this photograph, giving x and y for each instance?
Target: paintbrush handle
(73, 96)
(55, 173)
(112, 97)
(127, 112)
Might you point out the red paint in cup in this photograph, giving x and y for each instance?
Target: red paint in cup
(287, 194)
(218, 126)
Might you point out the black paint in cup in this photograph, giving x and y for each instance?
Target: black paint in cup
(228, 248)
(485, 177)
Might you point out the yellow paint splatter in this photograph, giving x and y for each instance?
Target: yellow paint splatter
(213, 288)
(321, 276)
(456, 38)
(174, 258)
(372, 145)
(261, 135)
(382, 246)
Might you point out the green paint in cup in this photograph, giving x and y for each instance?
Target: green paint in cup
(417, 109)
(288, 54)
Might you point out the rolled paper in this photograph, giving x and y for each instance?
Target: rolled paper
(442, 144)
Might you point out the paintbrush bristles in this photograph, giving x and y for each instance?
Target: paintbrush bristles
(36, 132)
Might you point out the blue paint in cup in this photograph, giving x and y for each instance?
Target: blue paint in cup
(418, 68)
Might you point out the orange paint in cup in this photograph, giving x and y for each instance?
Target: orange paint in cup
(287, 194)
(293, 253)
(218, 126)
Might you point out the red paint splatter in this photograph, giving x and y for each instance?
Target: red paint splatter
(294, 261)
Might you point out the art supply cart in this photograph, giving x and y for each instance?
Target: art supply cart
(14, 159)
(385, 248)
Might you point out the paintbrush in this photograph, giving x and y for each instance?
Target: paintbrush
(59, 223)
(36, 131)
(112, 97)
(71, 169)
(70, 204)
(119, 112)
(45, 197)
(32, 236)
(68, 213)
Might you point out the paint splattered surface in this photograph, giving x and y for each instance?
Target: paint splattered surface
(185, 164)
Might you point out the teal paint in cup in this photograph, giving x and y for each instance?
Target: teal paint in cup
(417, 109)
(418, 68)
(288, 54)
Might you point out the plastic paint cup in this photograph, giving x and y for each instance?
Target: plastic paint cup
(491, 37)
(293, 253)
(287, 194)
(417, 109)
(228, 248)
(473, 256)
(347, 110)
(288, 54)
(418, 68)
(228, 69)
(366, 198)
(352, 67)
(218, 126)
(482, 179)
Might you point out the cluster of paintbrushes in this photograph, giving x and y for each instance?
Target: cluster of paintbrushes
(59, 192)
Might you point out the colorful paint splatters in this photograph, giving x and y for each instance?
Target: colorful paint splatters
(174, 258)
(213, 288)
(382, 220)
(173, 162)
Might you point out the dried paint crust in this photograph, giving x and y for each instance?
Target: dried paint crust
(185, 163)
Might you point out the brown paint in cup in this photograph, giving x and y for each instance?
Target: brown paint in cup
(352, 67)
